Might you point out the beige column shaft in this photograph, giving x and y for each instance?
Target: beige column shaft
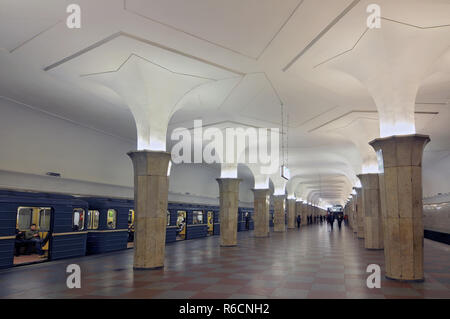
(229, 205)
(261, 206)
(304, 214)
(373, 228)
(291, 213)
(350, 214)
(354, 215)
(279, 203)
(400, 161)
(298, 212)
(151, 186)
(359, 208)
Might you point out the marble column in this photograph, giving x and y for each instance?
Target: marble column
(291, 213)
(229, 205)
(261, 206)
(304, 214)
(279, 203)
(310, 212)
(359, 209)
(354, 217)
(349, 214)
(373, 228)
(151, 186)
(298, 212)
(400, 177)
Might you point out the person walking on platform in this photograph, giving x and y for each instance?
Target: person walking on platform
(330, 219)
(299, 220)
(340, 219)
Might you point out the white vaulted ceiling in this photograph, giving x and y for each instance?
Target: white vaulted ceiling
(253, 55)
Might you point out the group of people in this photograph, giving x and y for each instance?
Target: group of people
(29, 239)
(329, 218)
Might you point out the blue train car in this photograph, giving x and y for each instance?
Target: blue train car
(59, 222)
(107, 224)
(76, 226)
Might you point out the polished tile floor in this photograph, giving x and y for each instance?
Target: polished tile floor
(310, 263)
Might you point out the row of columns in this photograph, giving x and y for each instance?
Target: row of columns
(387, 210)
(151, 186)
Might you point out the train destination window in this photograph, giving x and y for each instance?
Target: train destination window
(111, 221)
(197, 217)
(78, 219)
(93, 218)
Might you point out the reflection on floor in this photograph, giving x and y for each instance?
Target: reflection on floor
(310, 263)
(25, 259)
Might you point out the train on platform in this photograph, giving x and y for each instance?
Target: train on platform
(72, 226)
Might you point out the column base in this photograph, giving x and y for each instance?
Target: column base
(150, 268)
(405, 280)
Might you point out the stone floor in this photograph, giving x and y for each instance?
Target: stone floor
(310, 263)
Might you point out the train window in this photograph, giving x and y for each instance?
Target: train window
(168, 218)
(93, 218)
(44, 219)
(181, 225)
(197, 217)
(210, 222)
(78, 219)
(111, 221)
(24, 217)
(131, 216)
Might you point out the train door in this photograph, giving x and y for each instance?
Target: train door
(210, 222)
(33, 234)
(130, 243)
(181, 225)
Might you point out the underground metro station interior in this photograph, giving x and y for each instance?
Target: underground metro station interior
(169, 149)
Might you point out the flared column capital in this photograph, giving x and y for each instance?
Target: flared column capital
(150, 163)
(261, 192)
(279, 198)
(369, 181)
(400, 150)
(228, 184)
